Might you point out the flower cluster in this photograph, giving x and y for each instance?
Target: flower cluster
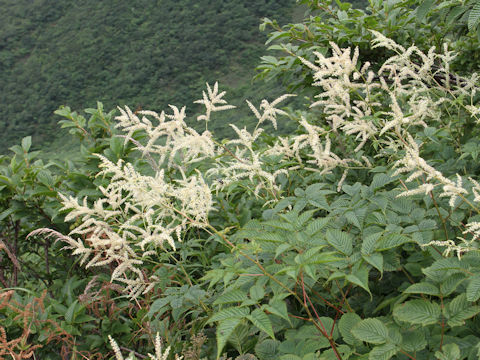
(159, 354)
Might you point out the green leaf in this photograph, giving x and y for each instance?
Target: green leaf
(360, 277)
(346, 324)
(380, 180)
(413, 340)
(454, 14)
(355, 218)
(116, 145)
(371, 330)
(423, 288)
(281, 249)
(474, 16)
(224, 329)
(438, 270)
(310, 257)
(450, 284)
(375, 259)
(239, 337)
(290, 357)
(157, 305)
(370, 242)
(257, 292)
(279, 308)
(270, 236)
(82, 318)
(6, 213)
(449, 352)
(232, 296)
(267, 349)
(70, 314)
(459, 310)
(26, 143)
(390, 241)
(473, 288)
(383, 352)
(316, 225)
(228, 313)
(261, 321)
(344, 350)
(423, 9)
(46, 178)
(418, 312)
(341, 241)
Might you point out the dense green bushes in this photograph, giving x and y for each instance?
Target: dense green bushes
(353, 237)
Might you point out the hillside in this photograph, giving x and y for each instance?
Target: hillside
(144, 54)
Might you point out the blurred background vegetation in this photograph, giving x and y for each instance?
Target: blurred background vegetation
(140, 53)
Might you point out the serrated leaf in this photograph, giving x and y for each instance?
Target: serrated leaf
(46, 178)
(257, 292)
(269, 236)
(341, 241)
(224, 329)
(281, 249)
(156, 306)
(370, 243)
(454, 14)
(413, 340)
(474, 16)
(375, 259)
(390, 241)
(70, 314)
(423, 288)
(316, 225)
(423, 9)
(371, 330)
(290, 357)
(26, 143)
(321, 258)
(360, 277)
(344, 350)
(267, 349)
(231, 296)
(303, 218)
(459, 310)
(473, 288)
(261, 321)
(383, 352)
(418, 312)
(380, 180)
(449, 352)
(6, 213)
(279, 308)
(277, 224)
(402, 205)
(450, 284)
(239, 338)
(353, 219)
(346, 324)
(229, 313)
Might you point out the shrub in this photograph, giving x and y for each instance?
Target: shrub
(354, 237)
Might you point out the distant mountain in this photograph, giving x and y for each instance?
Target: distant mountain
(140, 53)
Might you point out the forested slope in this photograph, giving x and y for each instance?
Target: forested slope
(138, 53)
